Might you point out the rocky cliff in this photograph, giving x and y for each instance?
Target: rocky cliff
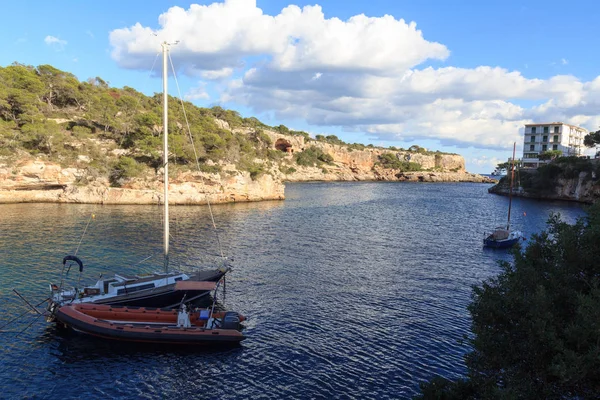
(584, 188)
(39, 181)
(31, 179)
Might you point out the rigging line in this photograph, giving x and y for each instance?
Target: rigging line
(26, 312)
(32, 322)
(212, 217)
(139, 98)
(147, 258)
(84, 231)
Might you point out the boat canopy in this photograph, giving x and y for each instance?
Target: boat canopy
(500, 234)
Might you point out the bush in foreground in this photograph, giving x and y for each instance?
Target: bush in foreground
(536, 325)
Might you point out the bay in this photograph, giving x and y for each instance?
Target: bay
(353, 290)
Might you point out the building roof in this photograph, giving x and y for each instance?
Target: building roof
(557, 123)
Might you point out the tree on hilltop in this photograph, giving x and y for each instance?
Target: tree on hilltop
(592, 139)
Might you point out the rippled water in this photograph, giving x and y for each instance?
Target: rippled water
(353, 290)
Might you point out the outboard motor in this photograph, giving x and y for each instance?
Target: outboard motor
(231, 320)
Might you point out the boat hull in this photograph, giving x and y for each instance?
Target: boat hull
(500, 244)
(143, 331)
(162, 297)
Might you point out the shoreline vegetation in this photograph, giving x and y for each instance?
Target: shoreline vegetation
(564, 178)
(65, 140)
(535, 325)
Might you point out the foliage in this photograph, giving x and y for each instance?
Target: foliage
(545, 178)
(81, 132)
(592, 139)
(211, 169)
(331, 139)
(391, 161)
(305, 135)
(287, 170)
(536, 325)
(313, 156)
(550, 154)
(255, 169)
(125, 168)
(93, 113)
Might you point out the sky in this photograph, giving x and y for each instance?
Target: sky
(455, 76)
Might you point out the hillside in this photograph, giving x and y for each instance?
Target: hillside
(62, 140)
(565, 178)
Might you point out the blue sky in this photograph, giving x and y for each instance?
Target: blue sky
(475, 73)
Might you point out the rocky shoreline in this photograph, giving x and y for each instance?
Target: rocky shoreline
(581, 189)
(31, 179)
(38, 181)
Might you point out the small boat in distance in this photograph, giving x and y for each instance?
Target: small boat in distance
(150, 290)
(504, 237)
(154, 325)
(499, 172)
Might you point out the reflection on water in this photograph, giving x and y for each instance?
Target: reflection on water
(352, 290)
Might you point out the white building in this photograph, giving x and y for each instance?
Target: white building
(539, 138)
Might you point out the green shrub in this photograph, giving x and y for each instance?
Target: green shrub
(81, 132)
(312, 156)
(275, 155)
(125, 168)
(391, 161)
(247, 164)
(287, 170)
(211, 169)
(535, 327)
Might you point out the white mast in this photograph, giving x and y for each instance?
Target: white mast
(165, 50)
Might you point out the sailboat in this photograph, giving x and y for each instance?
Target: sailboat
(161, 289)
(504, 237)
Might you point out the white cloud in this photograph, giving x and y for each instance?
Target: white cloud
(362, 74)
(220, 35)
(564, 61)
(484, 162)
(217, 74)
(197, 93)
(55, 42)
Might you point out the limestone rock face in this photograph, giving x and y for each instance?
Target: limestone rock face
(44, 182)
(583, 189)
(36, 180)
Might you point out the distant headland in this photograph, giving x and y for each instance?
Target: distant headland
(62, 140)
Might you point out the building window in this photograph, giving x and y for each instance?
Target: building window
(554, 147)
(555, 138)
(545, 139)
(532, 147)
(545, 129)
(544, 147)
(532, 139)
(533, 129)
(556, 129)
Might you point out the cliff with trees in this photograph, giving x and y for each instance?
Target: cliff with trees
(63, 140)
(570, 178)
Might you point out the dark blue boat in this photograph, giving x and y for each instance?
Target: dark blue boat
(501, 237)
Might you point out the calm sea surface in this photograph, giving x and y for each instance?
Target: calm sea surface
(353, 290)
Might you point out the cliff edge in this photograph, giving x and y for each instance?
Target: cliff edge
(35, 179)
